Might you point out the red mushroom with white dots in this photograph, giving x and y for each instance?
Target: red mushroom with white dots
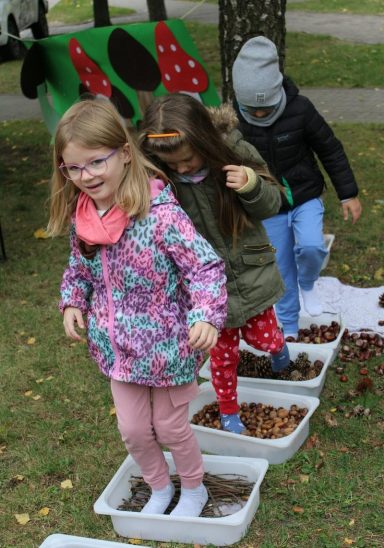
(179, 71)
(90, 74)
(94, 81)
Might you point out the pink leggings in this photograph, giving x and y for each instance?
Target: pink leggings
(151, 417)
(261, 332)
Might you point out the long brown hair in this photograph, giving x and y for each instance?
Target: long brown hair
(95, 123)
(192, 123)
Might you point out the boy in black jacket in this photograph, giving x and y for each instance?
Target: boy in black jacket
(288, 131)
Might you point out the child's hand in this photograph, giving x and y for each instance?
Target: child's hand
(236, 177)
(73, 316)
(352, 206)
(203, 336)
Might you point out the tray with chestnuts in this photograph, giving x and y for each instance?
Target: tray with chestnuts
(275, 423)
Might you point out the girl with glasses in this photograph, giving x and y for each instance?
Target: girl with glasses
(226, 202)
(151, 288)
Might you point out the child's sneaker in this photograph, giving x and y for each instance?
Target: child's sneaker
(232, 423)
(280, 360)
(191, 502)
(311, 301)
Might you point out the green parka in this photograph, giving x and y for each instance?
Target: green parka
(253, 280)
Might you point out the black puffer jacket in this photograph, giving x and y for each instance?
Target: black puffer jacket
(288, 147)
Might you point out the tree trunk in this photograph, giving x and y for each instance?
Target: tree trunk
(240, 20)
(156, 10)
(101, 13)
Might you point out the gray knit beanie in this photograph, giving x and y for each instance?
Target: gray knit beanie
(257, 80)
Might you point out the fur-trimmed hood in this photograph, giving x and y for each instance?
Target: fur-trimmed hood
(224, 118)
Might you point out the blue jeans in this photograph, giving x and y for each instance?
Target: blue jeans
(297, 236)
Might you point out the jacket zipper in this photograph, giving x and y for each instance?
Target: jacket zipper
(111, 306)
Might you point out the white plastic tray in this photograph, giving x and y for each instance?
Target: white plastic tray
(312, 387)
(328, 242)
(323, 319)
(220, 531)
(69, 541)
(276, 451)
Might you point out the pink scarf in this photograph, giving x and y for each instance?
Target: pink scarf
(105, 230)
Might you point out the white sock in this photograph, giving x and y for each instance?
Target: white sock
(311, 301)
(160, 500)
(191, 502)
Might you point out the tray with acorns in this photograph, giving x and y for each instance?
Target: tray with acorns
(305, 374)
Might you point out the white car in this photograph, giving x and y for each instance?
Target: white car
(18, 15)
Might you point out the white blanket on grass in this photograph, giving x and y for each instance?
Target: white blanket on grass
(358, 306)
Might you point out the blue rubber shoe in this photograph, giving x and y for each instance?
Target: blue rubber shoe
(232, 423)
(280, 360)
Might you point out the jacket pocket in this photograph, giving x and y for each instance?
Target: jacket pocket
(262, 248)
(259, 259)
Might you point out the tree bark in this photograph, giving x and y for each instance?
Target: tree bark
(101, 13)
(156, 10)
(240, 20)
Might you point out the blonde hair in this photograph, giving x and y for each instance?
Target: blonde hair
(95, 123)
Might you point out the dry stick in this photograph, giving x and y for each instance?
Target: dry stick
(219, 489)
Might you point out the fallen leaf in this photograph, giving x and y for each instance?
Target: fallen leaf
(49, 378)
(379, 274)
(298, 509)
(18, 477)
(135, 540)
(313, 441)
(345, 267)
(43, 511)
(3, 449)
(39, 381)
(28, 393)
(31, 340)
(112, 411)
(22, 519)
(352, 522)
(23, 302)
(41, 234)
(66, 484)
(331, 421)
(348, 541)
(37, 397)
(344, 450)
(304, 478)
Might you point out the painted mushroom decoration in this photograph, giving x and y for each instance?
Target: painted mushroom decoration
(94, 81)
(179, 71)
(134, 64)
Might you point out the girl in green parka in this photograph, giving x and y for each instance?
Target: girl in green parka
(226, 202)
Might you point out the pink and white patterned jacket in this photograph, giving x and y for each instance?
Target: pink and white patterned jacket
(142, 294)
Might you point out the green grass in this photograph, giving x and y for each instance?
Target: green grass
(73, 12)
(368, 7)
(68, 433)
(10, 77)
